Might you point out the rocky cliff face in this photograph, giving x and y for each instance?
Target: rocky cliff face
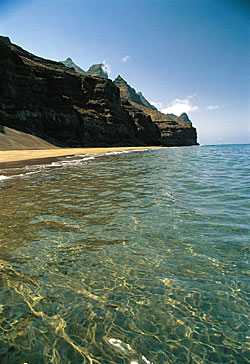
(54, 102)
(146, 129)
(127, 92)
(177, 133)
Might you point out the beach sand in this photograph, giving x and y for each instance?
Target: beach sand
(15, 158)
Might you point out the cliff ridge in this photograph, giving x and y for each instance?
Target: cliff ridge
(127, 92)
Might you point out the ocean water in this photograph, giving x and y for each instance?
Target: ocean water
(137, 257)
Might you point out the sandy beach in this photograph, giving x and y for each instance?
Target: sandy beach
(10, 158)
(18, 148)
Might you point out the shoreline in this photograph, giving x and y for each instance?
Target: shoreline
(18, 158)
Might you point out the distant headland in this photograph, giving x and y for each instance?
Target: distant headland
(68, 107)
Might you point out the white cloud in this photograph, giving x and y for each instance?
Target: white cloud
(125, 59)
(212, 107)
(106, 67)
(191, 96)
(178, 106)
(158, 105)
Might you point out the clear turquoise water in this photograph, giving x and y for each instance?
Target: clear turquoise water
(127, 258)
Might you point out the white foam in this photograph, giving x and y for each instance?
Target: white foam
(2, 177)
(27, 173)
(126, 151)
(69, 162)
(86, 157)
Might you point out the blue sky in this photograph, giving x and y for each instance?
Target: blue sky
(184, 55)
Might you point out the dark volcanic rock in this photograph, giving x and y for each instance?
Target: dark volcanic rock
(5, 40)
(49, 100)
(69, 63)
(147, 130)
(98, 70)
(129, 93)
(177, 133)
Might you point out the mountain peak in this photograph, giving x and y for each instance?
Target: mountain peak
(69, 63)
(183, 117)
(99, 70)
(119, 78)
(5, 39)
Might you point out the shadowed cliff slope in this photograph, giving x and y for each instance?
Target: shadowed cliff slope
(11, 139)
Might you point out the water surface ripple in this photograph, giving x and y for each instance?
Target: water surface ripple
(127, 258)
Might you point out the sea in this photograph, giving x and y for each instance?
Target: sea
(134, 257)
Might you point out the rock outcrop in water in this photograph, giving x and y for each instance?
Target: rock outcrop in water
(67, 108)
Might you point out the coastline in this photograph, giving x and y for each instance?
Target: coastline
(14, 158)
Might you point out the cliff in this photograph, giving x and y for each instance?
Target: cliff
(67, 108)
(49, 100)
(174, 130)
